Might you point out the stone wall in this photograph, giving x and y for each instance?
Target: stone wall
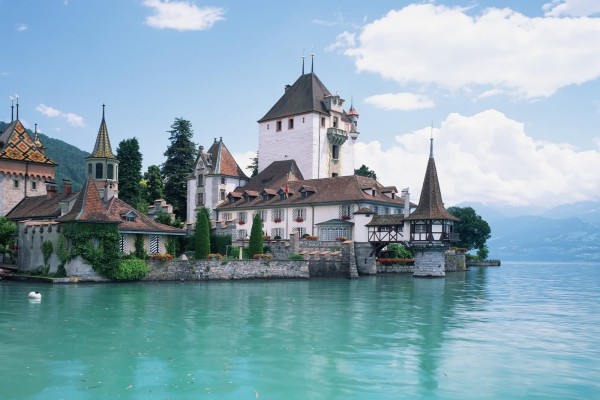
(395, 269)
(203, 270)
(429, 261)
(455, 261)
(365, 262)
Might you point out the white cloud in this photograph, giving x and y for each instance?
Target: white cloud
(21, 27)
(338, 20)
(499, 49)
(73, 119)
(244, 159)
(343, 40)
(489, 158)
(573, 8)
(400, 101)
(182, 15)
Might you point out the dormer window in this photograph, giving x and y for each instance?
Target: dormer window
(373, 192)
(265, 197)
(130, 216)
(246, 198)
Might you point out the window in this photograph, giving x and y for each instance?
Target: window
(332, 233)
(335, 151)
(222, 195)
(299, 214)
(222, 181)
(376, 209)
(154, 244)
(200, 181)
(334, 175)
(110, 169)
(290, 123)
(278, 126)
(335, 122)
(300, 230)
(33, 185)
(322, 122)
(226, 216)
(302, 119)
(267, 126)
(89, 169)
(16, 184)
(241, 217)
(265, 197)
(99, 171)
(277, 215)
(346, 211)
(199, 198)
(420, 228)
(242, 234)
(123, 243)
(275, 232)
(262, 214)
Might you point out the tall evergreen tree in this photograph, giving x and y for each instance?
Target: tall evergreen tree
(202, 235)
(181, 155)
(256, 243)
(130, 171)
(253, 166)
(155, 187)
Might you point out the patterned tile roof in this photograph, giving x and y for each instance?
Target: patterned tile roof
(431, 205)
(102, 148)
(17, 145)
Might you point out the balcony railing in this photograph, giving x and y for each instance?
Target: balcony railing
(336, 136)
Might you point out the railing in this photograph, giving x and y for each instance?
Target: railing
(430, 237)
(336, 135)
(385, 236)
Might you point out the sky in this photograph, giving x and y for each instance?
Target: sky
(509, 90)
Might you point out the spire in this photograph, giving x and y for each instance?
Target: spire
(431, 142)
(102, 148)
(302, 61)
(12, 109)
(17, 108)
(312, 63)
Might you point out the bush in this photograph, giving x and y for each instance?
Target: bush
(395, 250)
(161, 257)
(296, 257)
(262, 257)
(219, 243)
(130, 270)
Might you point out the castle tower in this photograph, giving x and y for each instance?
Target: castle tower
(309, 125)
(24, 168)
(102, 164)
(431, 226)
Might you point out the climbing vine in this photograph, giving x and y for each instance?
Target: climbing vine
(97, 244)
(47, 250)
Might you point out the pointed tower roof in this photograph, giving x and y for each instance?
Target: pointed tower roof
(223, 162)
(102, 148)
(431, 205)
(16, 144)
(88, 207)
(303, 96)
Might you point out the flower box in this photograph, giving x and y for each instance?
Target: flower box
(309, 237)
(345, 217)
(161, 256)
(299, 219)
(391, 261)
(341, 239)
(241, 222)
(277, 220)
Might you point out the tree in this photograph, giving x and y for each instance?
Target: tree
(365, 171)
(7, 230)
(473, 230)
(255, 246)
(130, 171)
(181, 155)
(253, 166)
(155, 187)
(202, 235)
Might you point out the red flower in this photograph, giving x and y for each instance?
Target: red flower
(299, 219)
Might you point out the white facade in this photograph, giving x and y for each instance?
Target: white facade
(208, 190)
(14, 188)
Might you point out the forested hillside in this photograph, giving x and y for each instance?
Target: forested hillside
(70, 159)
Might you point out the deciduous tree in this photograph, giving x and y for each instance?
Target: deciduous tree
(473, 230)
(365, 171)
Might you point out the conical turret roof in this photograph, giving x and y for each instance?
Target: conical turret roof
(102, 148)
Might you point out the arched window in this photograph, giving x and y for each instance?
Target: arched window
(110, 171)
(89, 168)
(99, 171)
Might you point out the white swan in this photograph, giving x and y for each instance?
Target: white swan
(35, 295)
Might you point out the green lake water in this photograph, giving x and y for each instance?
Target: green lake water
(521, 331)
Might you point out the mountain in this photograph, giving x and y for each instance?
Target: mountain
(70, 159)
(570, 232)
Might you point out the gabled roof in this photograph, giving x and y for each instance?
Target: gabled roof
(223, 162)
(102, 148)
(88, 207)
(17, 145)
(386, 220)
(304, 96)
(276, 175)
(39, 207)
(118, 209)
(431, 205)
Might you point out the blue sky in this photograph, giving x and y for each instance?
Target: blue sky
(511, 87)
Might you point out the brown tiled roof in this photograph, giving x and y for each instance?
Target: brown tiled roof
(223, 162)
(341, 189)
(88, 207)
(17, 145)
(386, 220)
(117, 208)
(38, 207)
(276, 175)
(431, 205)
(102, 148)
(304, 96)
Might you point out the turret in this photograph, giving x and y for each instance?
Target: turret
(102, 164)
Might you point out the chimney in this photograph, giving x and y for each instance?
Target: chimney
(406, 197)
(109, 191)
(67, 187)
(50, 190)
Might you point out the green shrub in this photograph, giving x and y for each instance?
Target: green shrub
(220, 243)
(47, 250)
(255, 245)
(396, 250)
(296, 257)
(130, 270)
(138, 245)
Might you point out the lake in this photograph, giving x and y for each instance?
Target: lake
(521, 331)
